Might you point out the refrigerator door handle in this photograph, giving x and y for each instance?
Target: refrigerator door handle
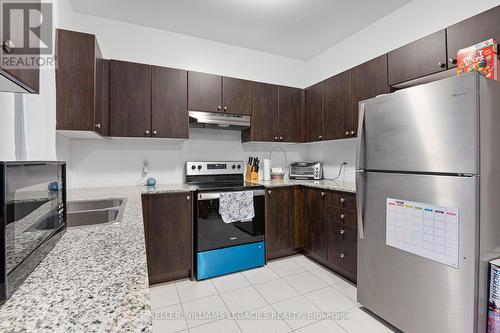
(359, 145)
(360, 201)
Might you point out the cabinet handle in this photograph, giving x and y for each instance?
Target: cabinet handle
(342, 200)
(352, 132)
(188, 198)
(452, 61)
(97, 125)
(8, 46)
(219, 107)
(342, 216)
(275, 138)
(342, 255)
(269, 191)
(155, 132)
(346, 132)
(322, 194)
(342, 231)
(441, 64)
(225, 108)
(146, 133)
(281, 138)
(320, 137)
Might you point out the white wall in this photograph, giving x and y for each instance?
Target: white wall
(119, 161)
(415, 20)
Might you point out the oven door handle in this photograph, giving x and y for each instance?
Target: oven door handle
(216, 195)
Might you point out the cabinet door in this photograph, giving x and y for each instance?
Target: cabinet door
(237, 95)
(367, 81)
(419, 58)
(280, 221)
(315, 222)
(168, 231)
(75, 81)
(169, 103)
(264, 122)
(101, 94)
(472, 31)
(290, 120)
(337, 105)
(314, 112)
(204, 92)
(130, 99)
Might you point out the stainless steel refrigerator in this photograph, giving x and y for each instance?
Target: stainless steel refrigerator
(428, 191)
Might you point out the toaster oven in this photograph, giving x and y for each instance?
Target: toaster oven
(306, 170)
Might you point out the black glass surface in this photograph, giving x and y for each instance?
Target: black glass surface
(212, 233)
(33, 202)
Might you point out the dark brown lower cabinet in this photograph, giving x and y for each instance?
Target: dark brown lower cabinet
(315, 222)
(168, 230)
(280, 222)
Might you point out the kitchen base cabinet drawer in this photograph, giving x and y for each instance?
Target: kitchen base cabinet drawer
(341, 216)
(342, 248)
(342, 200)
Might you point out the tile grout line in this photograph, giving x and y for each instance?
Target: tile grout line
(182, 307)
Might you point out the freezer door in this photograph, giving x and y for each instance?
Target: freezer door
(413, 293)
(428, 128)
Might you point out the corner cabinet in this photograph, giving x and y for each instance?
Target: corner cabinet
(280, 222)
(314, 112)
(168, 231)
(315, 241)
(82, 83)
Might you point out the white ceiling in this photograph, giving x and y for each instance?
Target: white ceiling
(298, 29)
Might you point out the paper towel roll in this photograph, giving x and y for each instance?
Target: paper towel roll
(267, 169)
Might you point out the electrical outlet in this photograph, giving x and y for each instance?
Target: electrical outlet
(145, 168)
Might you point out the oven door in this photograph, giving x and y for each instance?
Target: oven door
(211, 231)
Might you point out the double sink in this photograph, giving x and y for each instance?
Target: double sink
(94, 212)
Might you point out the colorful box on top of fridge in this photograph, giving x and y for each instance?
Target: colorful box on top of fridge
(482, 57)
(494, 298)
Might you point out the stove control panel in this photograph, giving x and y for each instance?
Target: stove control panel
(215, 168)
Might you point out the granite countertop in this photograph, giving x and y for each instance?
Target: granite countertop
(327, 184)
(95, 279)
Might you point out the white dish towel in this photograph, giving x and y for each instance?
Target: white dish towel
(236, 206)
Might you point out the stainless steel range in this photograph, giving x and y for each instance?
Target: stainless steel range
(223, 248)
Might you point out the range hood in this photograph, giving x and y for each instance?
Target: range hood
(218, 120)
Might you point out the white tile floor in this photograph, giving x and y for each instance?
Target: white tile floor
(288, 295)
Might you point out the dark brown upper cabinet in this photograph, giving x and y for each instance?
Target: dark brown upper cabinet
(237, 96)
(290, 114)
(368, 80)
(314, 112)
(337, 105)
(264, 126)
(130, 99)
(15, 78)
(214, 93)
(420, 58)
(204, 92)
(169, 103)
(168, 230)
(472, 31)
(82, 83)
